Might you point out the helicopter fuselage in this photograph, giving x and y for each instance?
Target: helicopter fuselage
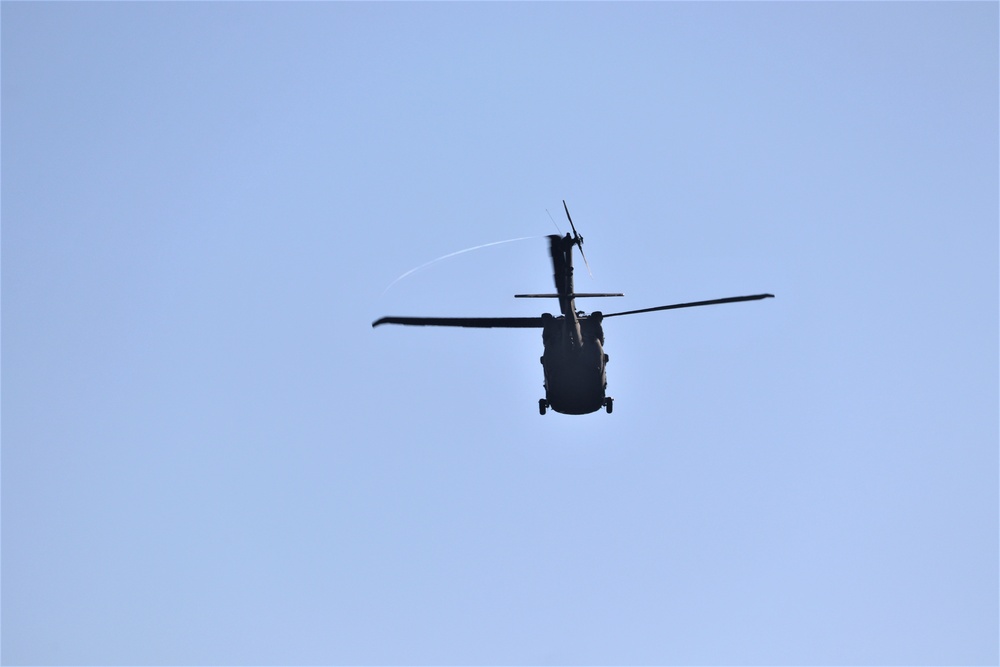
(574, 358)
(575, 377)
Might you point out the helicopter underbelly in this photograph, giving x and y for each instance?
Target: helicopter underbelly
(575, 378)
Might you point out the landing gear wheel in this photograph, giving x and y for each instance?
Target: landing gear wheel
(609, 404)
(542, 404)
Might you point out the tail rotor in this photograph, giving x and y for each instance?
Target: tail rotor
(577, 239)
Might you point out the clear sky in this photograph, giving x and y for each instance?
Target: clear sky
(210, 457)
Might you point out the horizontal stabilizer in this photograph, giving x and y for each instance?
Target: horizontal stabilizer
(571, 296)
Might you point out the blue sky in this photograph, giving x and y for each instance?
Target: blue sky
(209, 456)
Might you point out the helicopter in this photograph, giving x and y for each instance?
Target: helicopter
(573, 358)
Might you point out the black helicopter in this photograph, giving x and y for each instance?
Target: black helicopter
(574, 360)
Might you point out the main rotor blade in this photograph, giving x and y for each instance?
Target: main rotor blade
(732, 299)
(471, 322)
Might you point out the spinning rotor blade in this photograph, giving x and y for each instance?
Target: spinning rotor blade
(732, 299)
(471, 322)
(578, 240)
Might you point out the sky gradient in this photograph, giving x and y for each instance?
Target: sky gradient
(210, 457)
